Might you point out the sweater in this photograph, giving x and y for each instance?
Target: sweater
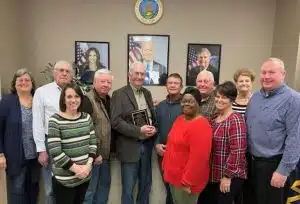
(186, 160)
(166, 114)
(11, 142)
(70, 141)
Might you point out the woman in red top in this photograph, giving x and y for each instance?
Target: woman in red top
(186, 160)
(228, 167)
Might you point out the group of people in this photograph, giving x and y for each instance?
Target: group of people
(215, 144)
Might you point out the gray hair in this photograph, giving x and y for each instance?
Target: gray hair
(62, 63)
(135, 64)
(103, 72)
(207, 74)
(277, 61)
(204, 50)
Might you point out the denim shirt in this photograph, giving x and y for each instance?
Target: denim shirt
(273, 122)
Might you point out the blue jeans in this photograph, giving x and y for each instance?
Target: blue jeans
(49, 196)
(24, 187)
(141, 170)
(98, 190)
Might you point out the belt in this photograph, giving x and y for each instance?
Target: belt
(275, 158)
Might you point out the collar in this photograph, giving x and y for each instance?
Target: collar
(268, 94)
(210, 97)
(150, 63)
(136, 90)
(177, 99)
(98, 97)
(59, 88)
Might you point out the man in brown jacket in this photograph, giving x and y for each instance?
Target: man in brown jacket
(97, 104)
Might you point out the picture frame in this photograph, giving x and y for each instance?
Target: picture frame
(153, 51)
(209, 60)
(90, 56)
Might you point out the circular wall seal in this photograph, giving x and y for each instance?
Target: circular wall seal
(148, 11)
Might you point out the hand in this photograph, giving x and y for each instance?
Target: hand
(81, 171)
(2, 162)
(85, 170)
(151, 132)
(160, 149)
(187, 189)
(225, 185)
(98, 160)
(146, 129)
(278, 180)
(43, 158)
(155, 102)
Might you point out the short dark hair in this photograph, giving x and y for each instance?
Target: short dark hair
(194, 92)
(19, 73)
(62, 100)
(227, 89)
(177, 76)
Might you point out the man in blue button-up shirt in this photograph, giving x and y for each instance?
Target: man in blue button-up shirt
(273, 122)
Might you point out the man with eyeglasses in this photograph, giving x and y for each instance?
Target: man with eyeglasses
(45, 104)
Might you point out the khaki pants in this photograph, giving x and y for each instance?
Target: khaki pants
(181, 197)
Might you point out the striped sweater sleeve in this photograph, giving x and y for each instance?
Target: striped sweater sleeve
(59, 158)
(93, 140)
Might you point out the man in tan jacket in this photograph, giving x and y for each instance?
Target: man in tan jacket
(97, 104)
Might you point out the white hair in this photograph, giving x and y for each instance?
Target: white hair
(62, 63)
(103, 72)
(277, 61)
(135, 64)
(207, 74)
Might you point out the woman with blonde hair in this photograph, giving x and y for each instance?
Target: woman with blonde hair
(243, 79)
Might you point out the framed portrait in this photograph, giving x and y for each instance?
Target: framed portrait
(203, 57)
(153, 52)
(90, 56)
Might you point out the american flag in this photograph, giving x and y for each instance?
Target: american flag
(134, 51)
(193, 58)
(80, 55)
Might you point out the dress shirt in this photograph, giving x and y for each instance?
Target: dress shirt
(45, 104)
(273, 122)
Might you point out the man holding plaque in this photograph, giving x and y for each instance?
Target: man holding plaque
(133, 118)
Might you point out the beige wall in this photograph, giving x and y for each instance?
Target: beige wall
(9, 52)
(286, 36)
(243, 27)
(10, 40)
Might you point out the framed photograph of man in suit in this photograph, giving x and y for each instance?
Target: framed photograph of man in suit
(153, 51)
(203, 57)
(90, 56)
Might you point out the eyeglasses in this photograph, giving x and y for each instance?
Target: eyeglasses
(23, 80)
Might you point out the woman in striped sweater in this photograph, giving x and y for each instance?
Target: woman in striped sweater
(72, 147)
(244, 79)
